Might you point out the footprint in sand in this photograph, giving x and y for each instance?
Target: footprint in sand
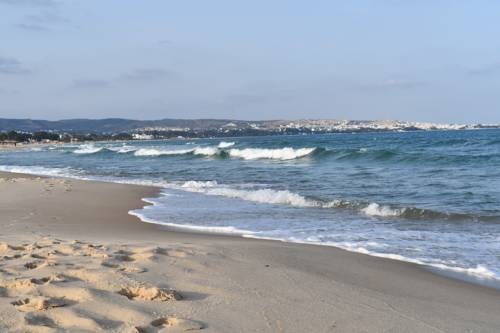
(123, 268)
(39, 303)
(17, 247)
(146, 293)
(32, 265)
(35, 319)
(26, 285)
(173, 253)
(36, 264)
(171, 324)
(13, 257)
(132, 269)
(38, 256)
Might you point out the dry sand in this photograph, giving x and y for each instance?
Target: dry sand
(72, 259)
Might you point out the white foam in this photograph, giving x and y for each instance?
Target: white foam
(479, 272)
(87, 149)
(40, 171)
(160, 152)
(210, 229)
(224, 144)
(275, 154)
(122, 149)
(207, 151)
(374, 209)
(193, 184)
(260, 196)
(247, 153)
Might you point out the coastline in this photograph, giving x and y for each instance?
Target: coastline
(233, 284)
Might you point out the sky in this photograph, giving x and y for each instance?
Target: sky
(415, 60)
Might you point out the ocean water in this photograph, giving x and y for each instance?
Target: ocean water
(425, 197)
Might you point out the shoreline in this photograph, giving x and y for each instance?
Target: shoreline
(235, 283)
(451, 272)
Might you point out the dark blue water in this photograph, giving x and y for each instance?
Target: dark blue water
(429, 197)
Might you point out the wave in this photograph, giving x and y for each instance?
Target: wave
(161, 152)
(266, 196)
(122, 149)
(139, 213)
(224, 144)
(247, 153)
(266, 153)
(40, 171)
(260, 196)
(414, 213)
(282, 154)
(374, 209)
(371, 209)
(90, 149)
(205, 151)
(87, 149)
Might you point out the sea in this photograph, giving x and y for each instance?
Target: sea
(428, 197)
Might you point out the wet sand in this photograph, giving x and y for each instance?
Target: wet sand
(73, 259)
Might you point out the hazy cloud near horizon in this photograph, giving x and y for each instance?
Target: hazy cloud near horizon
(425, 61)
(36, 3)
(11, 66)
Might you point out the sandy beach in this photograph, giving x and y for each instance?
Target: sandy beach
(73, 259)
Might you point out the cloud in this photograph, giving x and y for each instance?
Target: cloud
(89, 84)
(486, 71)
(34, 3)
(165, 42)
(138, 75)
(247, 99)
(31, 27)
(150, 74)
(12, 66)
(42, 21)
(391, 84)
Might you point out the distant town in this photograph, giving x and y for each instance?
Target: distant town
(14, 131)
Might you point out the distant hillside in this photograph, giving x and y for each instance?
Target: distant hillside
(111, 125)
(212, 127)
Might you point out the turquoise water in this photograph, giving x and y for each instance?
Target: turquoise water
(427, 197)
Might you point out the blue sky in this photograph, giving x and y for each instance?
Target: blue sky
(423, 60)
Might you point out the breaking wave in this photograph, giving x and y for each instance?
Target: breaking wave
(246, 154)
(285, 197)
(41, 171)
(205, 151)
(260, 196)
(275, 154)
(224, 144)
(122, 149)
(87, 149)
(160, 152)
